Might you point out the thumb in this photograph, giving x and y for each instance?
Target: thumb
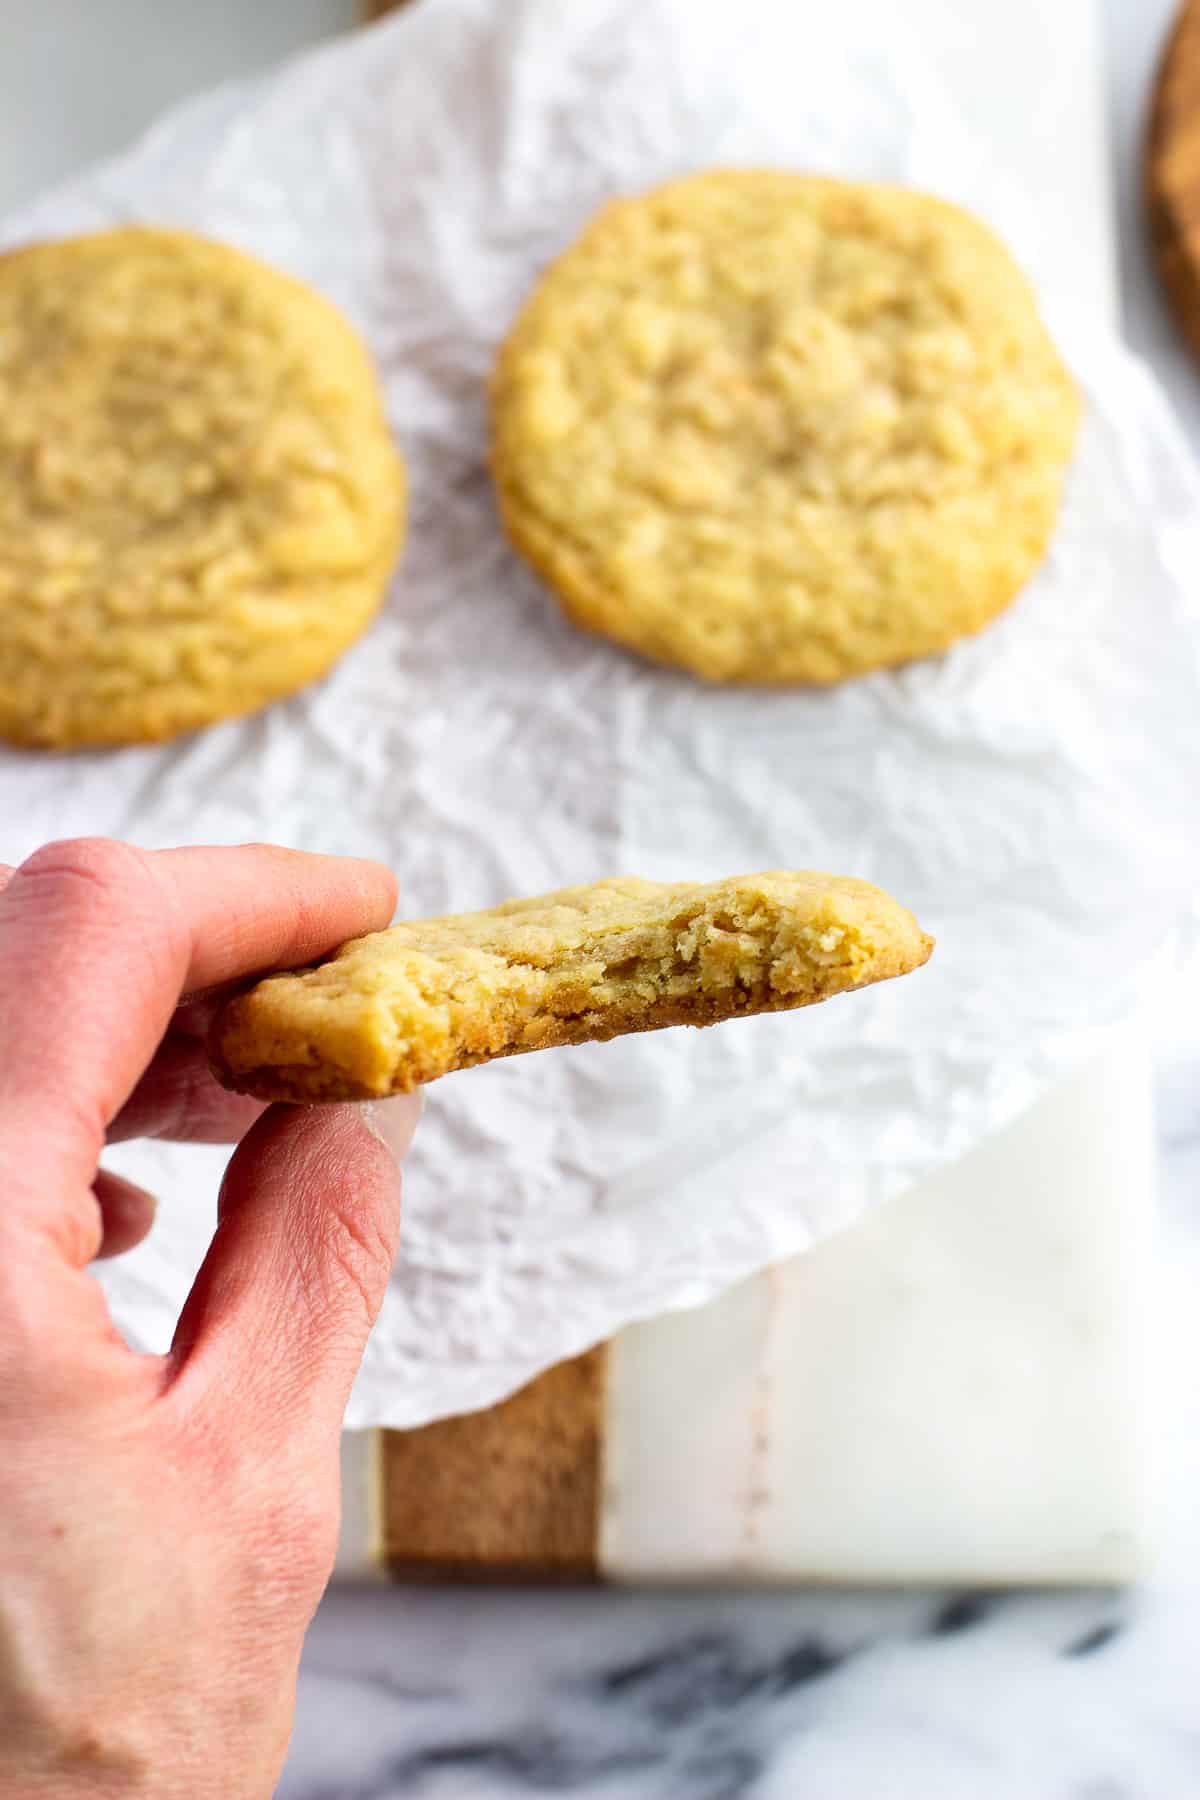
(308, 1226)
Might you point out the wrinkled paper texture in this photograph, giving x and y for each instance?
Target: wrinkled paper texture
(1032, 794)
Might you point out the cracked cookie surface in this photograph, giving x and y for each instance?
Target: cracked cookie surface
(778, 428)
(401, 1007)
(200, 502)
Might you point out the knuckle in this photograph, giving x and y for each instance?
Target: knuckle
(22, 1331)
(75, 1741)
(275, 1512)
(312, 1530)
(90, 872)
(356, 1253)
(290, 1547)
(110, 890)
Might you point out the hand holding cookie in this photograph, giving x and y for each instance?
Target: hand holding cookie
(150, 1628)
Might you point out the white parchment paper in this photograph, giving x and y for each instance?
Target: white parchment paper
(1032, 795)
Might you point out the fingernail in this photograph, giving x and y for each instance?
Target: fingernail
(393, 1121)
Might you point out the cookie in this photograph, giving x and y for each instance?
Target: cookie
(776, 428)
(403, 1006)
(200, 502)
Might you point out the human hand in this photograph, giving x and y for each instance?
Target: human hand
(167, 1524)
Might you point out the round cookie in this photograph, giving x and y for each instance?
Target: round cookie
(776, 428)
(200, 502)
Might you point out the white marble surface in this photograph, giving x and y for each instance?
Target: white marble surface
(919, 1695)
(839, 1696)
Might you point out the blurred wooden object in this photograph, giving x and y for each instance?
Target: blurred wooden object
(375, 9)
(1171, 170)
(510, 1494)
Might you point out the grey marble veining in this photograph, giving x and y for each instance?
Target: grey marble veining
(680, 1696)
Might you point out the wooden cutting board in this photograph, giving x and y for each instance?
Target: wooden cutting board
(511, 1494)
(1171, 170)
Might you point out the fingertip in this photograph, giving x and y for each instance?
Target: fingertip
(379, 880)
(380, 889)
(313, 1150)
(361, 878)
(394, 1120)
(264, 907)
(127, 1213)
(309, 1223)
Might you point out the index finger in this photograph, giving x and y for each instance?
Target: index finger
(98, 940)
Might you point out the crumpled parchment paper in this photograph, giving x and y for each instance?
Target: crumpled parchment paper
(1032, 794)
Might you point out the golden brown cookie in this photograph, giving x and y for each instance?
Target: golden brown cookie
(200, 503)
(406, 1005)
(776, 428)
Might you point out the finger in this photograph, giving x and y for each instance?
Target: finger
(97, 942)
(275, 1325)
(178, 1099)
(126, 1212)
(261, 907)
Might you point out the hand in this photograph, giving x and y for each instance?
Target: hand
(167, 1524)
